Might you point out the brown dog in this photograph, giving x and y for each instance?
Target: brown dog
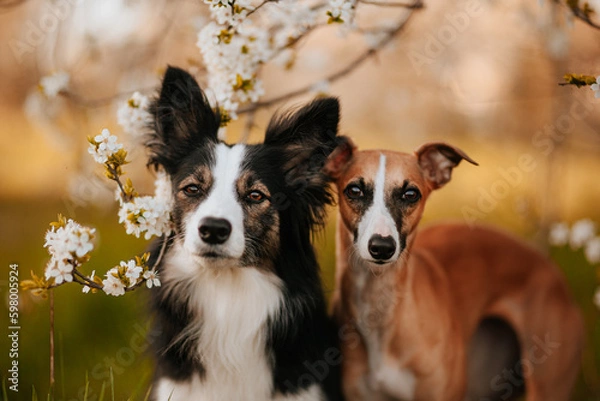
(448, 313)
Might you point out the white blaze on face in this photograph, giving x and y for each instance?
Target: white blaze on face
(222, 202)
(377, 220)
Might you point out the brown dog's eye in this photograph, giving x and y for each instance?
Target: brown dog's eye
(191, 190)
(353, 191)
(411, 195)
(255, 197)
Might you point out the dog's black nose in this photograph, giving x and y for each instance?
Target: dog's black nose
(382, 248)
(214, 231)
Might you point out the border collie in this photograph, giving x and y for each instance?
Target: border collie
(241, 311)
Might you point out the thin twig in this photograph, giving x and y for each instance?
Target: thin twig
(579, 14)
(116, 177)
(163, 248)
(255, 9)
(391, 34)
(81, 279)
(410, 6)
(51, 296)
(100, 102)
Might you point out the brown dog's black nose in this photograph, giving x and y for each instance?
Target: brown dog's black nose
(382, 248)
(214, 231)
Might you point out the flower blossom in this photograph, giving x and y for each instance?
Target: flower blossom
(151, 278)
(103, 146)
(163, 191)
(68, 245)
(234, 48)
(145, 214)
(596, 88)
(60, 271)
(51, 85)
(132, 271)
(592, 250)
(342, 11)
(133, 115)
(559, 234)
(581, 232)
(113, 285)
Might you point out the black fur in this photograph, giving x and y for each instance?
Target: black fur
(302, 341)
(182, 121)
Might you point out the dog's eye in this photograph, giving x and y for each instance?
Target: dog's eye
(353, 191)
(411, 195)
(255, 196)
(191, 190)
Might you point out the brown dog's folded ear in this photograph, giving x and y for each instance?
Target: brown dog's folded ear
(437, 161)
(338, 160)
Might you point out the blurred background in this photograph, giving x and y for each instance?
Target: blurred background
(480, 74)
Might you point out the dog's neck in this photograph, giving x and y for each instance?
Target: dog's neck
(373, 291)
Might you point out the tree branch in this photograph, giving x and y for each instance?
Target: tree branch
(410, 6)
(582, 16)
(391, 34)
(255, 9)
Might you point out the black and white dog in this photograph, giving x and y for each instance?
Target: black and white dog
(241, 311)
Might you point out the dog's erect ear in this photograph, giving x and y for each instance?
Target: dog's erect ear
(306, 136)
(182, 120)
(437, 161)
(339, 159)
(314, 124)
(302, 140)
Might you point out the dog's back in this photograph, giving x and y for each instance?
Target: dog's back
(524, 321)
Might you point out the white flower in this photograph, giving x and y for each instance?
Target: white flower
(151, 278)
(597, 298)
(163, 191)
(342, 11)
(51, 85)
(581, 232)
(67, 246)
(113, 285)
(104, 146)
(596, 87)
(592, 250)
(133, 115)
(86, 288)
(145, 214)
(132, 271)
(234, 48)
(59, 271)
(559, 234)
(320, 87)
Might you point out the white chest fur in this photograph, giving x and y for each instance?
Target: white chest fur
(231, 307)
(375, 301)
